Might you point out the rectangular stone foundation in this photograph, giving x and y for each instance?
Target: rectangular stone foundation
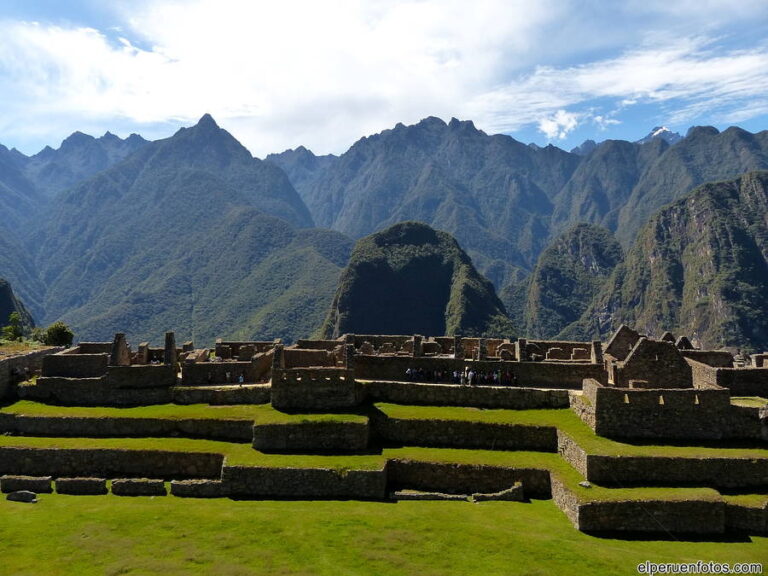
(138, 487)
(81, 486)
(39, 485)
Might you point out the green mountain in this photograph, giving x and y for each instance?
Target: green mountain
(188, 233)
(699, 267)
(256, 277)
(302, 166)
(20, 202)
(704, 155)
(411, 279)
(505, 202)
(10, 304)
(567, 277)
(19, 199)
(603, 182)
(492, 193)
(80, 156)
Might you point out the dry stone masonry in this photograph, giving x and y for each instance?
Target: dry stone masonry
(330, 399)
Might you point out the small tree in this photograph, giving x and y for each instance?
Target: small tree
(14, 330)
(59, 334)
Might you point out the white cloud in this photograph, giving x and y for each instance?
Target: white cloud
(688, 76)
(280, 74)
(317, 73)
(559, 125)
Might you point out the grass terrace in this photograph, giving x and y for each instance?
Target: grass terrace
(257, 413)
(173, 536)
(568, 422)
(750, 401)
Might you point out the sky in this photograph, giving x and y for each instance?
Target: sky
(322, 74)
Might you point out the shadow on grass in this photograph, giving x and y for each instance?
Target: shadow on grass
(730, 537)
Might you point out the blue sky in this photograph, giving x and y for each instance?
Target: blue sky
(322, 74)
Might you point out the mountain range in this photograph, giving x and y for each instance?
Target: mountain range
(193, 233)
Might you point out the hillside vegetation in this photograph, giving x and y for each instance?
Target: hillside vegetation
(411, 279)
(699, 267)
(568, 275)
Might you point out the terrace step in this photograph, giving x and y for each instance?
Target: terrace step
(223, 395)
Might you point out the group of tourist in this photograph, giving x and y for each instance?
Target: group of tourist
(467, 377)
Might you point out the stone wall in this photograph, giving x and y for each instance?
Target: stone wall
(305, 483)
(571, 452)
(462, 434)
(223, 395)
(378, 341)
(215, 373)
(739, 518)
(314, 389)
(714, 358)
(75, 365)
(109, 463)
(657, 362)
(654, 516)
(670, 471)
(663, 470)
(568, 375)
(457, 395)
(744, 381)
(141, 376)
(465, 478)
(113, 427)
(297, 358)
(694, 413)
(92, 348)
(323, 436)
(91, 392)
(262, 366)
(14, 368)
(558, 350)
(704, 376)
(328, 345)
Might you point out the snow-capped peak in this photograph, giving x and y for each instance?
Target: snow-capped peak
(663, 133)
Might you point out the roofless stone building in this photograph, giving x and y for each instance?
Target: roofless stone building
(364, 395)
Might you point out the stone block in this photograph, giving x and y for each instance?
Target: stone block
(81, 486)
(420, 495)
(38, 484)
(199, 488)
(22, 496)
(512, 494)
(138, 487)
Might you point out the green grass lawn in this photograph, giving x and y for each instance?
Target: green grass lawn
(563, 419)
(244, 455)
(568, 422)
(749, 401)
(237, 454)
(13, 347)
(109, 535)
(258, 413)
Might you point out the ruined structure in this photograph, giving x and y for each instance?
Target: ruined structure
(373, 398)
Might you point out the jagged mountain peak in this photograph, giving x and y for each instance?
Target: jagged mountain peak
(109, 137)
(701, 131)
(660, 133)
(77, 138)
(207, 121)
(584, 148)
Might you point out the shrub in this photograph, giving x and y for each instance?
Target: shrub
(58, 334)
(14, 330)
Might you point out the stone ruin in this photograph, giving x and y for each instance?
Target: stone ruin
(632, 388)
